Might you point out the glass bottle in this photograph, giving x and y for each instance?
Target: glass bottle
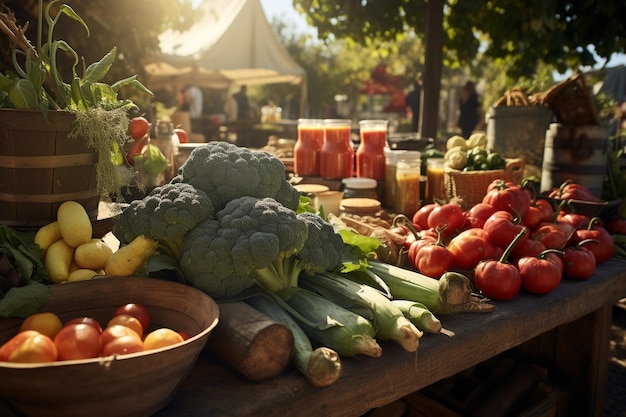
(337, 154)
(370, 156)
(306, 152)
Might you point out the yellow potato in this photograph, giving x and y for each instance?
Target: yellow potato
(93, 254)
(47, 235)
(74, 223)
(57, 261)
(128, 259)
(81, 275)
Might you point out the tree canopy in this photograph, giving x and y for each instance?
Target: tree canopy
(565, 34)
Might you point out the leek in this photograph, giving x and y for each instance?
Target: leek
(347, 333)
(388, 320)
(320, 366)
(419, 315)
(449, 294)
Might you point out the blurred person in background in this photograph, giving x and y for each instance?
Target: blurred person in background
(471, 117)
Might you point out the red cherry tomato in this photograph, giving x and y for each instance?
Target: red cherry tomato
(139, 127)
(578, 261)
(183, 137)
(136, 310)
(86, 320)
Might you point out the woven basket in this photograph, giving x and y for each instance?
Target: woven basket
(471, 187)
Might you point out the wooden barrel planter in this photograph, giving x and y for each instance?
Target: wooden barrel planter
(41, 167)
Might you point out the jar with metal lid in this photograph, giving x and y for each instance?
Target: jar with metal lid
(359, 206)
(359, 188)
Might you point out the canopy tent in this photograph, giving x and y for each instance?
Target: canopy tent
(231, 44)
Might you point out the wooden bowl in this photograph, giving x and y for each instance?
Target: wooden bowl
(136, 384)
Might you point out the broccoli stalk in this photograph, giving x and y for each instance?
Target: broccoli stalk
(322, 251)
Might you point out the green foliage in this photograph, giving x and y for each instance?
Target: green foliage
(563, 34)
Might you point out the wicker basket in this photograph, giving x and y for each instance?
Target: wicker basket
(471, 187)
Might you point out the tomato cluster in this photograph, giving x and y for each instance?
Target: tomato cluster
(510, 241)
(42, 337)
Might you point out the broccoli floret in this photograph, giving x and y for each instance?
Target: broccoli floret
(221, 255)
(226, 171)
(322, 251)
(166, 215)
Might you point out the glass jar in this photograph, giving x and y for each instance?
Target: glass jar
(370, 156)
(359, 188)
(408, 180)
(306, 152)
(337, 154)
(391, 159)
(435, 175)
(167, 141)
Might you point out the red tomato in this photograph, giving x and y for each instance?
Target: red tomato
(115, 331)
(433, 260)
(10, 345)
(616, 226)
(603, 248)
(550, 234)
(478, 214)
(497, 280)
(162, 337)
(448, 215)
(577, 221)
(129, 321)
(502, 228)
(136, 310)
(130, 343)
(34, 348)
(578, 262)
(528, 248)
(86, 320)
(420, 218)
(417, 245)
(183, 137)
(78, 341)
(539, 275)
(470, 247)
(507, 196)
(139, 127)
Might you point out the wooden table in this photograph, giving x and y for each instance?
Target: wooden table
(568, 329)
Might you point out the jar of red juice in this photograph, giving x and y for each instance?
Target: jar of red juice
(337, 154)
(306, 152)
(370, 156)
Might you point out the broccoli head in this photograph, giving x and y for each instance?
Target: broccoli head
(226, 171)
(166, 215)
(322, 252)
(220, 256)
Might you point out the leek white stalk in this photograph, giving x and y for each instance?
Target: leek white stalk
(451, 293)
(347, 333)
(320, 366)
(419, 315)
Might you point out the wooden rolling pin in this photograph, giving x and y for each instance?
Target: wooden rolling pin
(250, 342)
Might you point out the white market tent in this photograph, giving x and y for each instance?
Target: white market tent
(231, 44)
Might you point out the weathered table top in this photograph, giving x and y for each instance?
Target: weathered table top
(366, 383)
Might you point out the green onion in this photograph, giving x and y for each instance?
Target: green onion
(347, 333)
(320, 366)
(388, 320)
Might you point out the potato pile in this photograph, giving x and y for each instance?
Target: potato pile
(71, 254)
